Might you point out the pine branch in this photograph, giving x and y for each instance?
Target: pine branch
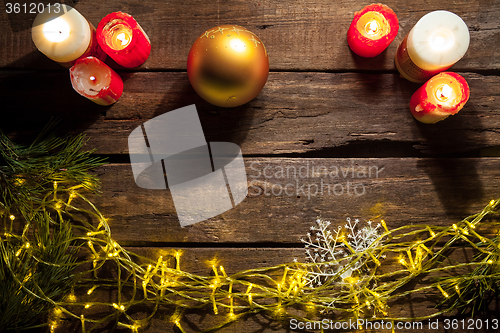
(36, 264)
(29, 171)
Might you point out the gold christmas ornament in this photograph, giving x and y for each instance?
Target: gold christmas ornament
(228, 65)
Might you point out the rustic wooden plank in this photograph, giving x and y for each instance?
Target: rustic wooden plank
(236, 260)
(401, 191)
(322, 114)
(299, 35)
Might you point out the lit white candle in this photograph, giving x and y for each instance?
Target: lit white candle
(434, 44)
(64, 35)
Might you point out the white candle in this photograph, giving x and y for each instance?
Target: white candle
(434, 44)
(63, 34)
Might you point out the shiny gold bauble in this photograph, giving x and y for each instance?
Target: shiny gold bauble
(228, 65)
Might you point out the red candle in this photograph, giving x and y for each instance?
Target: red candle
(372, 30)
(443, 95)
(94, 80)
(123, 39)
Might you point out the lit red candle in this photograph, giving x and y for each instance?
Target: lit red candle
(123, 39)
(372, 30)
(94, 80)
(443, 95)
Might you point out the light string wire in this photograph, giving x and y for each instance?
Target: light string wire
(281, 291)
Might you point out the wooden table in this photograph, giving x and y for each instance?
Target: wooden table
(322, 106)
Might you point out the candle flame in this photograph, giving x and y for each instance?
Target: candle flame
(123, 38)
(441, 40)
(119, 36)
(56, 30)
(371, 27)
(444, 92)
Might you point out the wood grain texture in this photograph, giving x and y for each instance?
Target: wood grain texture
(320, 114)
(287, 194)
(299, 35)
(326, 113)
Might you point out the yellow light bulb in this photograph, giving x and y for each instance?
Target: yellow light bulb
(382, 222)
(91, 290)
(445, 294)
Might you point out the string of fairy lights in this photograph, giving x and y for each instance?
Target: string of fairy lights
(282, 291)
